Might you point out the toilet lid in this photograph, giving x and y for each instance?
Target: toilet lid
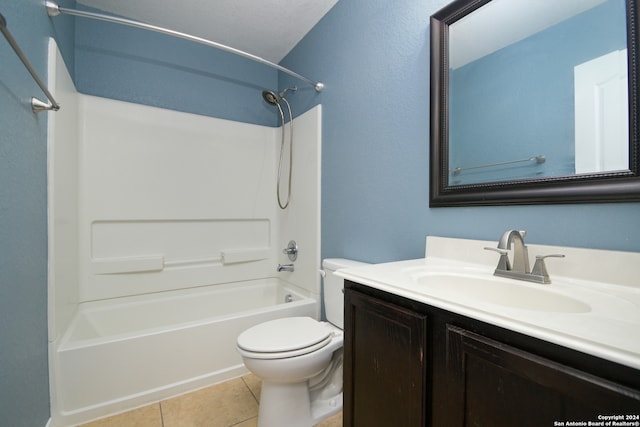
(284, 335)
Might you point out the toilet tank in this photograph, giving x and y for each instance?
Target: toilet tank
(334, 289)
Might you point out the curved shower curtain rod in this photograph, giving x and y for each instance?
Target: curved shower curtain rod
(53, 9)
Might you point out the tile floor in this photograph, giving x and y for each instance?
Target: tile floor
(230, 404)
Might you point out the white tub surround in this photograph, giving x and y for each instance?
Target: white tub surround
(62, 203)
(601, 288)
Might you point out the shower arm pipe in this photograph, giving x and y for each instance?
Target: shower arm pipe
(53, 9)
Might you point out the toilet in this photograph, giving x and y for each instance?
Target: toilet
(299, 359)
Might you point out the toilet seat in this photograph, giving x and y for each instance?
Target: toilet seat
(286, 337)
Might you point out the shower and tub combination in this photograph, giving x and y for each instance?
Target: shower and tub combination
(153, 271)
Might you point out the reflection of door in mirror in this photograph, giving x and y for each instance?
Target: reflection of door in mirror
(601, 117)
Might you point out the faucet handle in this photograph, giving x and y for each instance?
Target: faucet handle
(550, 256)
(540, 269)
(291, 250)
(503, 262)
(500, 251)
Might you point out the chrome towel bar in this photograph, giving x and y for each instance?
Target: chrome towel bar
(53, 9)
(36, 105)
(538, 159)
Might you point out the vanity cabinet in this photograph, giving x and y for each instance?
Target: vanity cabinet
(411, 364)
(386, 363)
(492, 384)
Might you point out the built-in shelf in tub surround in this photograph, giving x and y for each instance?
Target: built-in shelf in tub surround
(605, 282)
(175, 240)
(129, 256)
(133, 264)
(148, 263)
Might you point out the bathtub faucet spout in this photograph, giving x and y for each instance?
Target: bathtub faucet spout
(285, 267)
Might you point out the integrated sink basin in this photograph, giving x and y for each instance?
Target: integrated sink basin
(503, 292)
(592, 304)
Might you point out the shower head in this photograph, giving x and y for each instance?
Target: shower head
(270, 97)
(274, 98)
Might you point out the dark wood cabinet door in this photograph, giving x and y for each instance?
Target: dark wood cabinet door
(492, 384)
(385, 364)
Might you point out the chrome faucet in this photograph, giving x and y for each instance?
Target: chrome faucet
(520, 269)
(520, 252)
(285, 267)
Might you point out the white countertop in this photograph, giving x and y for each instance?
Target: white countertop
(608, 327)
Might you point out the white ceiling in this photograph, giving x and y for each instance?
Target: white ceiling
(265, 28)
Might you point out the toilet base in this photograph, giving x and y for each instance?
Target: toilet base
(289, 405)
(322, 409)
(284, 405)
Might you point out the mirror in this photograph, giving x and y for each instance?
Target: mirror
(534, 101)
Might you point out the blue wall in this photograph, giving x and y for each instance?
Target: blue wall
(134, 65)
(374, 60)
(24, 387)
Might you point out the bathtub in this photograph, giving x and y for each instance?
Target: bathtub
(126, 352)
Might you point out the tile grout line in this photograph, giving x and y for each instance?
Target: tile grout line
(250, 391)
(161, 414)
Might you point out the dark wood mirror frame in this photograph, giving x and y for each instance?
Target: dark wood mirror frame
(621, 186)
